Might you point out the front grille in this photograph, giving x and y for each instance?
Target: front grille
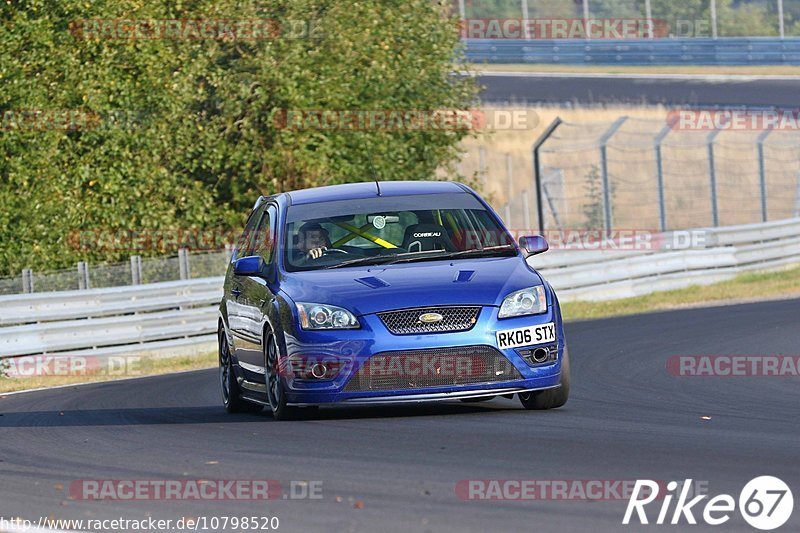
(407, 321)
(435, 367)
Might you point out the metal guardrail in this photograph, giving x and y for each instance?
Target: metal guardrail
(694, 51)
(184, 313)
(112, 320)
(730, 251)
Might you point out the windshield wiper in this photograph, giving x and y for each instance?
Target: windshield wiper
(359, 261)
(480, 251)
(428, 254)
(443, 254)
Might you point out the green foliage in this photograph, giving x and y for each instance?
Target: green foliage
(593, 209)
(186, 136)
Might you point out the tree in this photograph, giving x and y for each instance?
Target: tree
(182, 132)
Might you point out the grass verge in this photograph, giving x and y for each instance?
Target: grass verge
(744, 70)
(135, 367)
(744, 288)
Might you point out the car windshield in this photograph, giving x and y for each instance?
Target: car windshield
(392, 229)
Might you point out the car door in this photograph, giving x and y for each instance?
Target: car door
(255, 294)
(234, 284)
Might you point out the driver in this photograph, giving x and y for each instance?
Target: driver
(312, 240)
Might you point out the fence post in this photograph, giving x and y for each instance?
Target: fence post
(83, 275)
(608, 215)
(526, 211)
(762, 174)
(27, 280)
(537, 170)
(797, 197)
(525, 17)
(560, 176)
(183, 262)
(136, 270)
(712, 175)
(713, 9)
(482, 167)
(662, 208)
(510, 179)
(586, 19)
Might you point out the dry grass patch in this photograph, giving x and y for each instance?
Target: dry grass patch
(132, 367)
(744, 288)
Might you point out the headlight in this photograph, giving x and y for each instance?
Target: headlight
(525, 302)
(320, 316)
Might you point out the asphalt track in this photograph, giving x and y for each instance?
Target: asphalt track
(395, 469)
(520, 88)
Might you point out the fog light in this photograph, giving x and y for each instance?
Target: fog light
(318, 370)
(313, 368)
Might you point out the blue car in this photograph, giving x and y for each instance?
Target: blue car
(386, 292)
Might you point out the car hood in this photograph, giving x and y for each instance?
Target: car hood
(366, 290)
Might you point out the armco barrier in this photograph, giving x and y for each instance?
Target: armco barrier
(114, 320)
(695, 51)
(613, 274)
(175, 315)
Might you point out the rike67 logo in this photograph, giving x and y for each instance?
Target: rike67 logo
(765, 503)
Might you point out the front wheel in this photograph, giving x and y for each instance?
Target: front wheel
(227, 379)
(276, 393)
(551, 398)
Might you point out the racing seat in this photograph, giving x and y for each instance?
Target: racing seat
(427, 237)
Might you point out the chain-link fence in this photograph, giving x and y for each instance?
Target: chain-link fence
(640, 173)
(137, 271)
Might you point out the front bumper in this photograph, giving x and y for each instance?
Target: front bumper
(354, 348)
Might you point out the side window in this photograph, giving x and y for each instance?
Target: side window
(263, 239)
(244, 244)
(488, 233)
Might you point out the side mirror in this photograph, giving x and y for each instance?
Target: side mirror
(533, 245)
(249, 266)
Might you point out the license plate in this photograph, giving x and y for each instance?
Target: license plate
(527, 336)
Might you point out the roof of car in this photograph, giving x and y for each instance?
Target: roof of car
(368, 189)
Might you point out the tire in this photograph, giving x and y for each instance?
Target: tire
(231, 393)
(551, 398)
(276, 392)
